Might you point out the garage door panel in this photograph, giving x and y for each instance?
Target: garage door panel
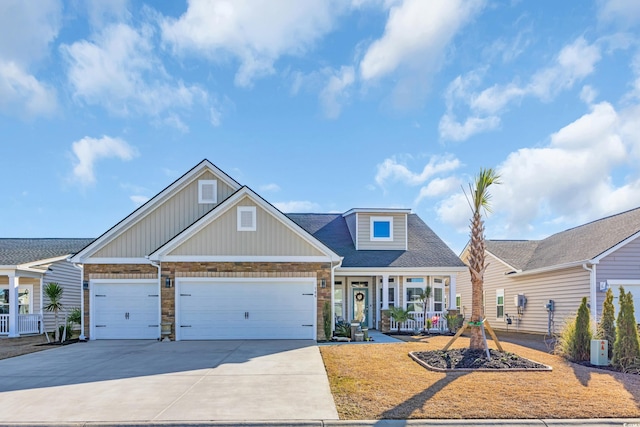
(246, 310)
(126, 310)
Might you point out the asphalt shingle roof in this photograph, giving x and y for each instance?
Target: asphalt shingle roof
(581, 243)
(21, 251)
(426, 249)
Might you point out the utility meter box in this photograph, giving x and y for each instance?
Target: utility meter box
(520, 300)
(599, 352)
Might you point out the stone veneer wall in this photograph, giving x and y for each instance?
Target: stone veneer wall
(211, 269)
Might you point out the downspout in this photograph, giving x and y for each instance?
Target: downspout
(80, 267)
(159, 293)
(592, 293)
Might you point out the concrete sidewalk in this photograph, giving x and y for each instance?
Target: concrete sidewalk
(618, 422)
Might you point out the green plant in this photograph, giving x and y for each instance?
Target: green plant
(53, 291)
(326, 320)
(400, 315)
(454, 321)
(343, 329)
(607, 325)
(626, 349)
(574, 341)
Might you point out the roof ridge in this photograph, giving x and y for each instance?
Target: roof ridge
(595, 221)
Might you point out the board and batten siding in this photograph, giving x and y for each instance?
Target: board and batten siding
(566, 287)
(67, 276)
(222, 238)
(399, 232)
(164, 222)
(622, 264)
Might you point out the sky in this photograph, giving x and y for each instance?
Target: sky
(321, 106)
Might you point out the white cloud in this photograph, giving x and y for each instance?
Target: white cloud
(391, 170)
(622, 12)
(255, 32)
(335, 91)
(120, 71)
(455, 211)
(438, 187)
(573, 63)
(102, 11)
(88, 151)
(297, 206)
(22, 93)
(26, 31)
(588, 94)
(415, 34)
(139, 200)
(271, 187)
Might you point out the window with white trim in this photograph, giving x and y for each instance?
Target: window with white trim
(381, 228)
(24, 299)
(458, 302)
(207, 191)
(414, 287)
(246, 218)
(392, 293)
(438, 297)
(499, 303)
(338, 298)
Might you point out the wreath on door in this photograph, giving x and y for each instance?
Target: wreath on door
(360, 296)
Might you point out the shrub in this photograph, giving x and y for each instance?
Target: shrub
(575, 339)
(343, 329)
(626, 349)
(607, 325)
(326, 320)
(400, 315)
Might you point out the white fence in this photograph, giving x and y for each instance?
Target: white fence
(27, 324)
(438, 322)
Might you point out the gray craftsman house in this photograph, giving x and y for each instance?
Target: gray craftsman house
(26, 265)
(208, 258)
(536, 284)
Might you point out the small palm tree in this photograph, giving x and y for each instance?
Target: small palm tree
(400, 315)
(426, 299)
(479, 200)
(53, 292)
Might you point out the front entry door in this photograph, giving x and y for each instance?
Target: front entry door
(360, 298)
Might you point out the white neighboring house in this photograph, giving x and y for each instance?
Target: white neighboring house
(26, 266)
(552, 275)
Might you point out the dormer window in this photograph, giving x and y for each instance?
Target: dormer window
(382, 228)
(246, 218)
(207, 191)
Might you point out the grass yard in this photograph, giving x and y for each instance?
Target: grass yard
(380, 381)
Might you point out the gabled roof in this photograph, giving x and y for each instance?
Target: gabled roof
(426, 249)
(585, 243)
(14, 252)
(151, 204)
(218, 210)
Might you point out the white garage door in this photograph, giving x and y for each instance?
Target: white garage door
(246, 309)
(125, 309)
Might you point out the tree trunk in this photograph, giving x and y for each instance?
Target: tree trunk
(476, 268)
(56, 333)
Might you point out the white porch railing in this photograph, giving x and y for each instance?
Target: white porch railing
(27, 324)
(438, 322)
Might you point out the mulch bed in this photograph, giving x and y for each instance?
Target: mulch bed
(465, 358)
(58, 343)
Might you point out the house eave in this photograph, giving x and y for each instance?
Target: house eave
(519, 273)
(364, 271)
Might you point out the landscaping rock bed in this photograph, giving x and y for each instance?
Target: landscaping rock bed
(467, 359)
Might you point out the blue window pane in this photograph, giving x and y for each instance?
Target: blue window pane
(381, 229)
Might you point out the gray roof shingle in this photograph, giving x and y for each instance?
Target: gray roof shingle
(581, 243)
(426, 249)
(22, 251)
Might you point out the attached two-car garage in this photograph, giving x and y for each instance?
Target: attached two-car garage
(206, 308)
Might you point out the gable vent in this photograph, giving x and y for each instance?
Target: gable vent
(246, 218)
(207, 191)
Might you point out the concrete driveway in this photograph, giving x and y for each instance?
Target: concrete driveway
(167, 381)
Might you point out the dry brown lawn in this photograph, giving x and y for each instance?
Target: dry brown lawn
(12, 347)
(380, 381)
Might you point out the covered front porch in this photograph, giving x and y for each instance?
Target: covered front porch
(365, 296)
(20, 303)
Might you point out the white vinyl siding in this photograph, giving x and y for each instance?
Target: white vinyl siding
(566, 287)
(163, 223)
(622, 264)
(398, 232)
(65, 274)
(221, 238)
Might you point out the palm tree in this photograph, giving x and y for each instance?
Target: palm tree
(54, 291)
(426, 298)
(479, 200)
(400, 315)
